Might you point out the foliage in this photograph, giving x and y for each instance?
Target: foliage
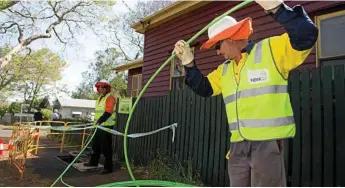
(14, 72)
(14, 107)
(30, 75)
(164, 168)
(102, 69)
(46, 113)
(4, 4)
(3, 109)
(45, 69)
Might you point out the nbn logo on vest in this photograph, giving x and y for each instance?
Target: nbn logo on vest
(258, 76)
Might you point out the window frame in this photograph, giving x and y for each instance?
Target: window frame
(139, 78)
(318, 20)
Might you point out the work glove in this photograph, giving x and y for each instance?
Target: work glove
(269, 4)
(183, 52)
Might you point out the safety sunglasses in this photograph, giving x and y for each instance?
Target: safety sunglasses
(218, 45)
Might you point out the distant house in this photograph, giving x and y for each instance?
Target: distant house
(183, 19)
(71, 108)
(134, 69)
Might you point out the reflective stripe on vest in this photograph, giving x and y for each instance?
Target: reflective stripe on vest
(258, 53)
(225, 66)
(100, 109)
(255, 92)
(258, 106)
(262, 122)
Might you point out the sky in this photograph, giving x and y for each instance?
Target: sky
(78, 57)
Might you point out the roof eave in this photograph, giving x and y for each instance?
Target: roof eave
(174, 10)
(130, 65)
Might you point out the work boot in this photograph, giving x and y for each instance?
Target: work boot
(105, 171)
(88, 164)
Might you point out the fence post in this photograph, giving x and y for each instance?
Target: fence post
(63, 138)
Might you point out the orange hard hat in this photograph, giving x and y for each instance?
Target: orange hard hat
(103, 83)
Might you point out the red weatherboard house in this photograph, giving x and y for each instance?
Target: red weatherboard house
(183, 19)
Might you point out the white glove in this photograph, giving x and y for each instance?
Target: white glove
(269, 4)
(183, 52)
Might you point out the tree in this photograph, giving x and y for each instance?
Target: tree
(45, 69)
(34, 20)
(102, 69)
(12, 73)
(118, 31)
(29, 76)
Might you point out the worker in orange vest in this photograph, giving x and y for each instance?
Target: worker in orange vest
(104, 116)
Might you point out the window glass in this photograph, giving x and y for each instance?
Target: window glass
(332, 34)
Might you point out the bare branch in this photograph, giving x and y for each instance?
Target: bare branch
(70, 30)
(20, 37)
(29, 16)
(118, 44)
(29, 53)
(20, 30)
(8, 27)
(22, 15)
(59, 37)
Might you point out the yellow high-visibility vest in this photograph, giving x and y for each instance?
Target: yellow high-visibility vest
(258, 106)
(100, 109)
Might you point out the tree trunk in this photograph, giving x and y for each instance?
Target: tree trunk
(8, 57)
(37, 88)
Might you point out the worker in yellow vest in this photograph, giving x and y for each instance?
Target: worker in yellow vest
(253, 82)
(104, 116)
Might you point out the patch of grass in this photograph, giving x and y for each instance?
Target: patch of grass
(164, 168)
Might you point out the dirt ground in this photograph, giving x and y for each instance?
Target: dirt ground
(43, 169)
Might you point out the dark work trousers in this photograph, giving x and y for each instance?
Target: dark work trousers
(102, 143)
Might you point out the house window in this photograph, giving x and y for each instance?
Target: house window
(330, 50)
(136, 85)
(177, 73)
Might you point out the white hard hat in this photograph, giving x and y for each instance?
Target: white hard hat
(228, 27)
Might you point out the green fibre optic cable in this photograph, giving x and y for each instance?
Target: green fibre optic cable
(150, 182)
(75, 159)
(160, 69)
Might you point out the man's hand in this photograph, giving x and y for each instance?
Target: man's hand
(269, 5)
(183, 53)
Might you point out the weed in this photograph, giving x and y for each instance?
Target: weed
(165, 168)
